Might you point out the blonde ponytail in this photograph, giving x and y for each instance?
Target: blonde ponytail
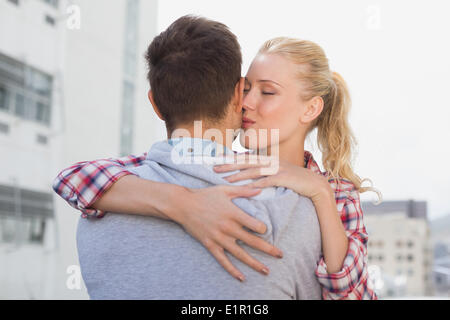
(335, 138)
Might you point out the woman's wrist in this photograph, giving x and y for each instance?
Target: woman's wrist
(323, 191)
(176, 198)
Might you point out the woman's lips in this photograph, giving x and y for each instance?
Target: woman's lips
(246, 122)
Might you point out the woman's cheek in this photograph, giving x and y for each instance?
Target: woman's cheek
(274, 114)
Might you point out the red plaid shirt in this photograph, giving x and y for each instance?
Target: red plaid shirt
(83, 183)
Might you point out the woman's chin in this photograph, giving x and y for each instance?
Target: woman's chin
(252, 145)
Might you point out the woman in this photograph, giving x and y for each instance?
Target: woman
(289, 87)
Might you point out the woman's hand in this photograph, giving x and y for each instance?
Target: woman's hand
(307, 183)
(303, 181)
(209, 215)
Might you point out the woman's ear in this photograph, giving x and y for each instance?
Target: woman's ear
(239, 95)
(313, 108)
(152, 101)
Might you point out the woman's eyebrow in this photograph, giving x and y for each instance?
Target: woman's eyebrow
(271, 81)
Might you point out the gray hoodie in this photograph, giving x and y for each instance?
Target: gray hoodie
(126, 256)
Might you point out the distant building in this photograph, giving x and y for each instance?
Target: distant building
(72, 87)
(399, 247)
(440, 238)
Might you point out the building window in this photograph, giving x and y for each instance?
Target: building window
(410, 244)
(4, 99)
(16, 2)
(53, 3)
(4, 128)
(50, 20)
(25, 91)
(24, 215)
(410, 257)
(41, 139)
(20, 106)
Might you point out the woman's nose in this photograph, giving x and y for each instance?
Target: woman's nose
(247, 103)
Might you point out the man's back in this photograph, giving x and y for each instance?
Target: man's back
(133, 257)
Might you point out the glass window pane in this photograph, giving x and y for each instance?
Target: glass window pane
(4, 99)
(7, 230)
(40, 112)
(43, 113)
(20, 106)
(53, 3)
(30, 109)
(40, 83)
(37, 230)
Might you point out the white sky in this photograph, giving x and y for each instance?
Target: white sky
(395, 57)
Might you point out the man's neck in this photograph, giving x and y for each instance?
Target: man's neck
(218, 134)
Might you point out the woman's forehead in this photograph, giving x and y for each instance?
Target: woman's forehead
(272, 67)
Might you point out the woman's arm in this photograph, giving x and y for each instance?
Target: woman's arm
(342, 271)
(83, 183)
(311, 185)
(207, 214)
(334, 238)
(352, 281)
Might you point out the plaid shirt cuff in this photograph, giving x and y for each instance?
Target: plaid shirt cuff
(81, 185)
(89, 198)
(341, 284)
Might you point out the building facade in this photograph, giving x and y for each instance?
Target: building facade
(72, 87)
(440, 238)
(399, 247)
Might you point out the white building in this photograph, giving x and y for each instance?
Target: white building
(399, 247)
(72, 87)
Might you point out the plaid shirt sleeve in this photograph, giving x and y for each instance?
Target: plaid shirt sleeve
(83, 183)
(352, 281)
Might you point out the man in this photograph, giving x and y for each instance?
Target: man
(195, 74)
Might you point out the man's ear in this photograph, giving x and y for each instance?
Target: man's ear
(239, 95)
(313, 108)
(152, 101)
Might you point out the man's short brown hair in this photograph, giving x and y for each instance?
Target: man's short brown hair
(194, 66)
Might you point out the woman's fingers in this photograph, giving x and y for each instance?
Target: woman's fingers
(258, 243)
(251, 223)
(232, 247)
(244, 162)
(235, 166)
(240, 191)
(251, 173)
(220, 256)
(227, 227)
(263, 183)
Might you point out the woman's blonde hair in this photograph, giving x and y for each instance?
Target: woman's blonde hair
(335, 138)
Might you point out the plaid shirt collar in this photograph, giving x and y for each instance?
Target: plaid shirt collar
(311, 164)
